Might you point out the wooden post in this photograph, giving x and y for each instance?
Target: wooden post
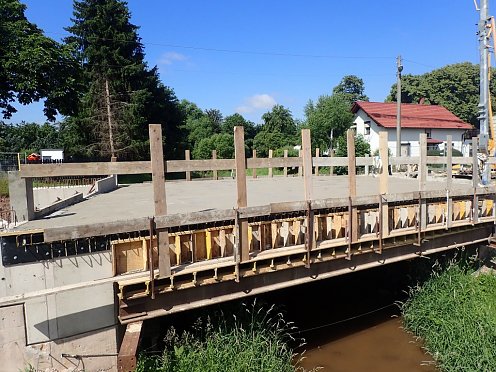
(383, 182)
(350, 139)
(317, 154)
(475, 179)
(353, 222)
(422, 175)
(270, 168)
(187, 156)
(254, 170)
(242, 196)
(307, 163)
(449, 162)
(300, 169)
(285, 168)
(214, 157)
(331, 168)
(367, 166)
(126, 360)
(160, 203)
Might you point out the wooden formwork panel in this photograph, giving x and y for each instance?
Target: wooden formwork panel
(132, 255)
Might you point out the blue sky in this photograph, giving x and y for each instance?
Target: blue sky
(244, 56)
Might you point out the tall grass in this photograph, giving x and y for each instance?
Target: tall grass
(257, 339)
(454, 312)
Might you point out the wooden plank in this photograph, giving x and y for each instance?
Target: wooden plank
(187, 157)
(422, 169)
(300, 167)
(254, 170)
(350, 139)
(449, 162)
(285, 169)
(273, 162)
(84, 169)
(126, 359)
(159, 199)
(317, 155)
(475, 163)
(330, 162)
(404, 160)
(307, 163)
(331, 168)
(383, 182)
(241, 192)
(271, 153)
(176, 166)
(214, 157)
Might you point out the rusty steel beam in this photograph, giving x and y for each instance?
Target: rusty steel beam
(126, 360)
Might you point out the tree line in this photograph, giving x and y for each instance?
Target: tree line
(98, 80)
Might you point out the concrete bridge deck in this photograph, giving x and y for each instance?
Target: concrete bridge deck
(136, 200)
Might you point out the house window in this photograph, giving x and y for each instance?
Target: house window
(367, 128)
(429, 133)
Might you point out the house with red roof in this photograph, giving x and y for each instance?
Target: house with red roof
(436, 121)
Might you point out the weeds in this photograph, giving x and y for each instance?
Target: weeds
(454, 312)
(256, 339)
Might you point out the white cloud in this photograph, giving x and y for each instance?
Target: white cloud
(170, 57)
(255, 103)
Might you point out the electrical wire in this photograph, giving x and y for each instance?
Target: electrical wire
(343, 320)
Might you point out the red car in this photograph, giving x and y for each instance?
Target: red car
(33, 157)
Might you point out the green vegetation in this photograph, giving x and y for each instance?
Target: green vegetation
(256, 339)
(454, 312)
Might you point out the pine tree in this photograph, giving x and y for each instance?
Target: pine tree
(122, 95)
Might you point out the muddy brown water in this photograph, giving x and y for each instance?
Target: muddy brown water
(348, 323)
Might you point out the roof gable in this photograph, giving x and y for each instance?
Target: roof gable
(412, 115)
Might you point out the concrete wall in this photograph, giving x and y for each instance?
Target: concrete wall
(107, 184)
(61, 204)
(45, 196)
(53, 318)
(96, 349)
(21, 196)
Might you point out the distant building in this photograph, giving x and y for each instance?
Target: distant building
(436, 121)
(52, 155)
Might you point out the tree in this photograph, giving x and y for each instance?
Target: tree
(33, 66)
(351, 88)
(223, 143)
(331, 114)
(278, 130)
(455, 87)
(121, 94)
(362, 148)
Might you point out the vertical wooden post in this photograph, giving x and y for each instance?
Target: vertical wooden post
(308, 187)
(160, 203)
(270, 168)
(126, 360)
(350, 139)
(254, 170)
(317, 154)
(307, 163)
(300, 169)
(475, 179)
(331, 168)
(214, 157)
(187, 156)
(422, 175)
(383, 182)
(242, 196)
(449, 181)
(285, 168)
(353, 222)
(449, 162)
(475, 163)
(367, 166)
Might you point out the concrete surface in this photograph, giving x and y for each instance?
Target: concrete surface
(46, 196)
(133, 201)
(21, 196)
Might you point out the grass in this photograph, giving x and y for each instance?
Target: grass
(454, 312)
(255, 340)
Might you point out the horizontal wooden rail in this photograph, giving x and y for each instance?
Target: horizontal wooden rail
(84, 169)
(173, 220)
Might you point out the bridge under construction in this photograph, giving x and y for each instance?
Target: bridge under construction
(79, 283)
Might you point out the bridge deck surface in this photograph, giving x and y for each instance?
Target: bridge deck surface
(134, 201)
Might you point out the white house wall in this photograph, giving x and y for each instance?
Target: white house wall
(408, 135)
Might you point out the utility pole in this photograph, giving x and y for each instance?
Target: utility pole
(398, 106)
(483, 33)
